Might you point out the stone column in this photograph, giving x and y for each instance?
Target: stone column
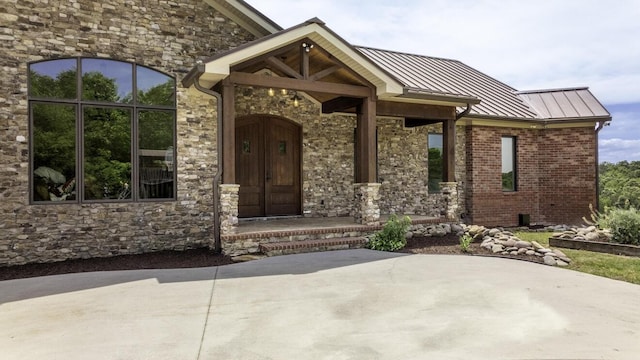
(229, 197)
(449, 192)
(367, 196)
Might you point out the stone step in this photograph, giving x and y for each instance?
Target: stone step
(303, 246)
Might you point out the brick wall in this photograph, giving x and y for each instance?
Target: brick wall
(556, 175)
(168, 36)
(567, 174)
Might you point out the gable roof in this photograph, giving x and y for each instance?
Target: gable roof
(407, 77)
(218, 67)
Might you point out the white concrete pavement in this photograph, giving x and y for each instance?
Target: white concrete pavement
(353, 304)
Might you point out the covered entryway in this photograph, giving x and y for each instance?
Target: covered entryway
(268, 166)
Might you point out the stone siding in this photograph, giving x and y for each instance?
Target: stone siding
(168, 36)
(328, 158)
(555, 175)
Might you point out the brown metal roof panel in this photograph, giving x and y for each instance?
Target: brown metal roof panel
(567, 108)
(564, 103)
(452, 77)
(592, 103)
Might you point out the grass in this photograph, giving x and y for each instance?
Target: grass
(616, 267)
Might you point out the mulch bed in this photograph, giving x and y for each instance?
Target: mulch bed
(448, 244)
(155, 260)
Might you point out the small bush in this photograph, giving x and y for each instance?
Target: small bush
(624, 225)
(465, 242)
(392, 237)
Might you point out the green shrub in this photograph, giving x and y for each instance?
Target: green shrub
(392, 237)
(465, 242)
(624, 225)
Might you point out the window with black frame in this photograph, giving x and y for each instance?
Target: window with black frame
(101, 130)
(509, 168)
(436, 164)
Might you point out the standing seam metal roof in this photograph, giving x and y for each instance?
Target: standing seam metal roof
(564, 103)
(445, 76)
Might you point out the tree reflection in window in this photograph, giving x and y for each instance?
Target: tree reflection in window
(102, 107)
(509, 170)
(436, 164)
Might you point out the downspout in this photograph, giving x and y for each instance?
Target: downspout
(601, 124)
(464, 113)
(217, 244)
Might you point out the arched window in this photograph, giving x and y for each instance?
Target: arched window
(101, 130)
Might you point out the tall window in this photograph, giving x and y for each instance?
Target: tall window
(436, 165)
(101, 130)
(509, 168)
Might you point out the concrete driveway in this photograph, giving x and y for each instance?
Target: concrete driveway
(353, 304)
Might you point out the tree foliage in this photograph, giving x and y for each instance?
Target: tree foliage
(620, 185)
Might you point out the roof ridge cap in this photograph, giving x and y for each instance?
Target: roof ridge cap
(405, 53)
(538, 91)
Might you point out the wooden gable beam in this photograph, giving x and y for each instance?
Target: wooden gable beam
(239, 78)
(341, 103)
(323, 73)
(416, 111)
(280, 65)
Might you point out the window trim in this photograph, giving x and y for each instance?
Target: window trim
(514, 156)
(79, 105)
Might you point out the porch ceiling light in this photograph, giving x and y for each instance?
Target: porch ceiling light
(271, 92)
(296, 99)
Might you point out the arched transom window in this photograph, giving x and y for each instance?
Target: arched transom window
(101, 130)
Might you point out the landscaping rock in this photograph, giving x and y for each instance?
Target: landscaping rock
(549, 260)
(503, 242)
(561, 263)
(559, 253)
(510, 242)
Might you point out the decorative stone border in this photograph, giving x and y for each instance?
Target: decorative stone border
(503, 242)
(596, 246)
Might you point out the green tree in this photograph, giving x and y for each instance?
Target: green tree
(619, 185)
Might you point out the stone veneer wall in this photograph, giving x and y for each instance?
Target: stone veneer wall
(556, 175)
(403, 169)
(168, 36)
(328, 158)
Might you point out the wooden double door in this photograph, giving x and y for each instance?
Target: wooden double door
(268, 166)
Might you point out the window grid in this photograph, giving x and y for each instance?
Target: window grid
(134, 108)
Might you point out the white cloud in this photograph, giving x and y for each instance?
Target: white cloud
(533, 44)
(616, 150)
(526, 44)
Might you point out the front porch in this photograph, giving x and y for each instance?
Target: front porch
(300, 234)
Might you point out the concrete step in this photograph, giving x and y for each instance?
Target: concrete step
(303, 246)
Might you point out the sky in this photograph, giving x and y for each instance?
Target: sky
(541, 44)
